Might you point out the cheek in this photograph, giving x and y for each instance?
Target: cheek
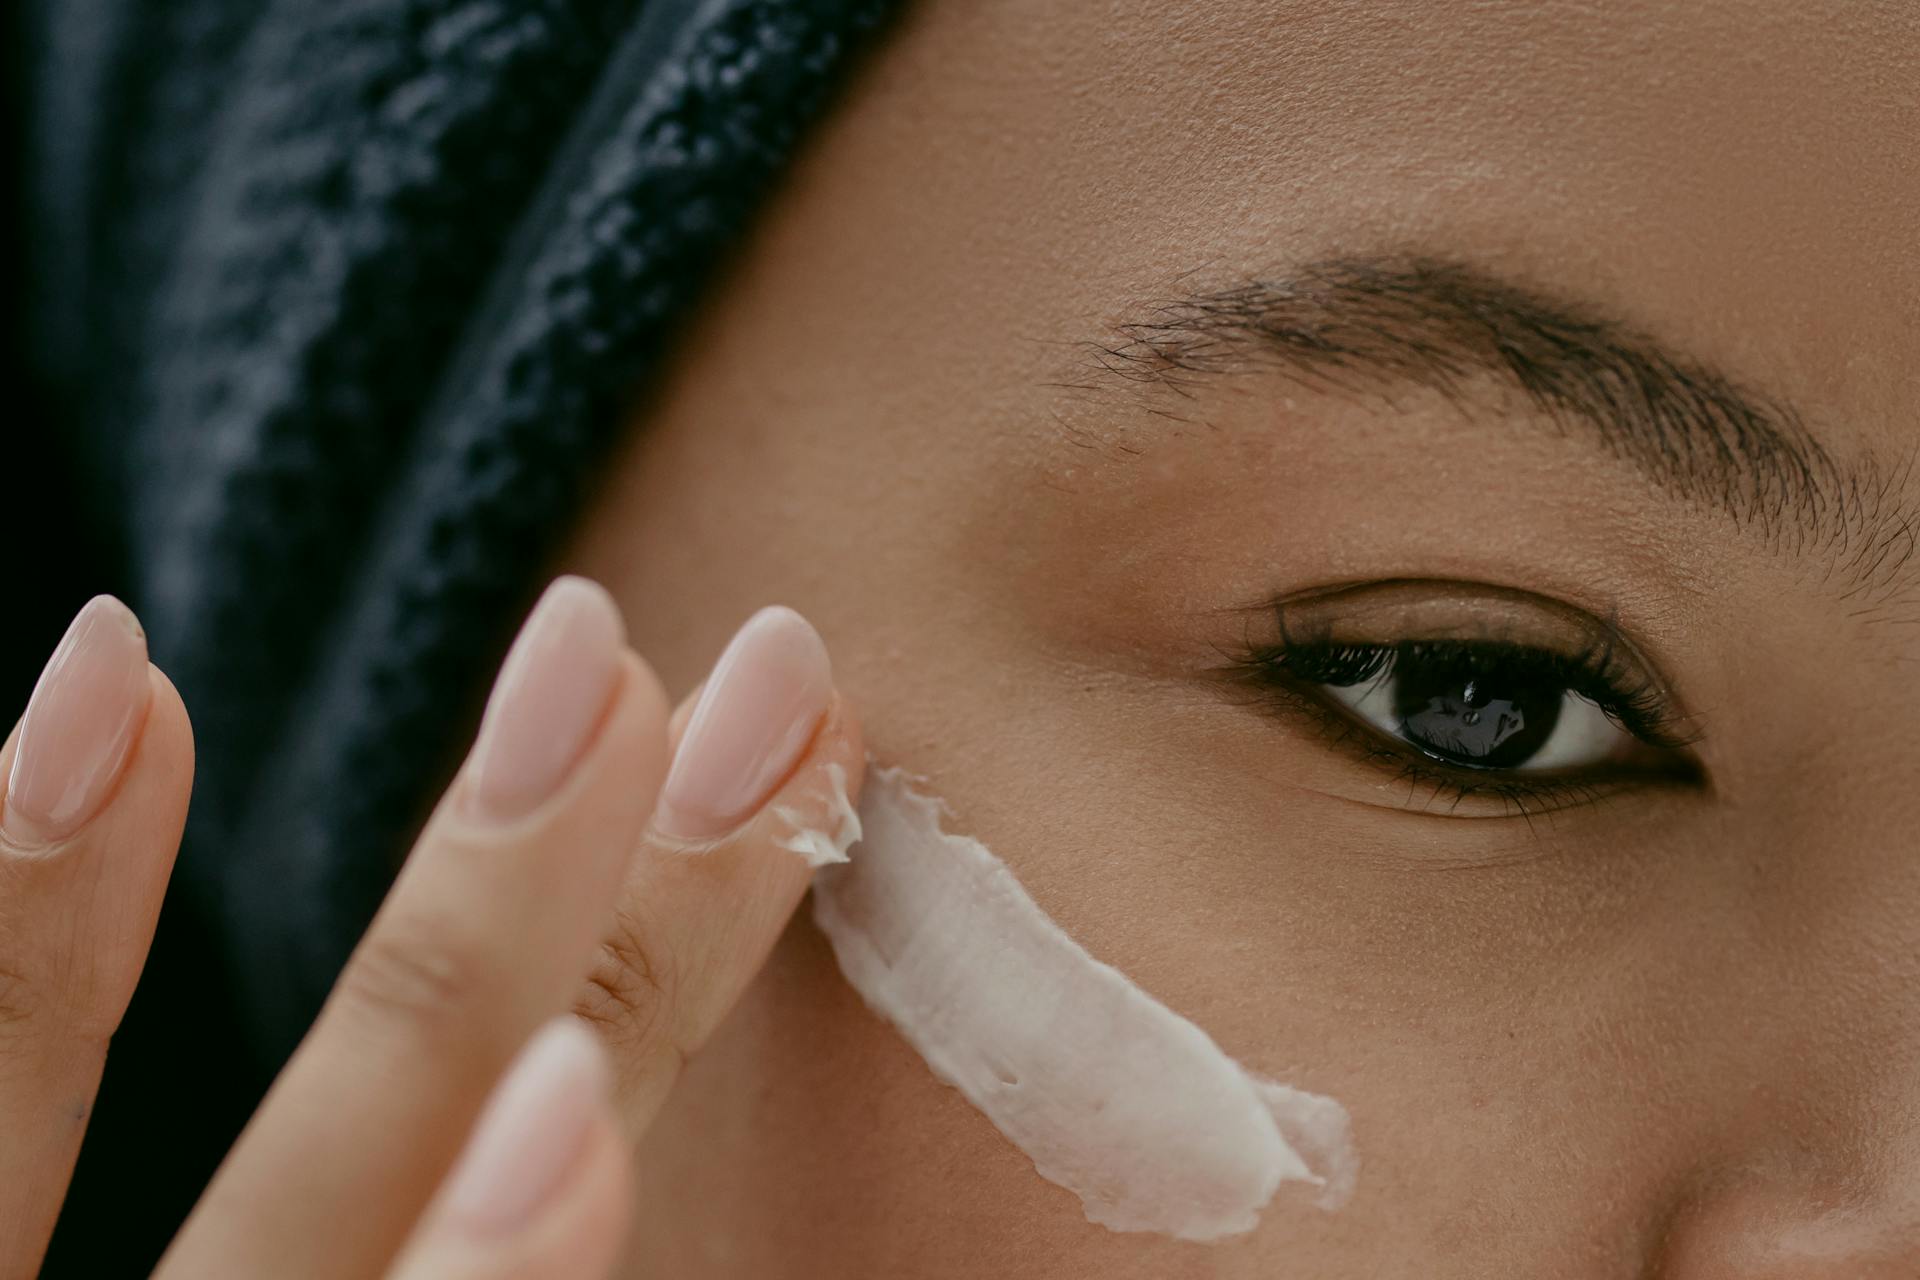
(1114, 1096)
(808, 1129)
(1469, 1022)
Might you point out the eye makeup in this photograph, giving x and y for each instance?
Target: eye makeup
(1472, 690)
(1113, 1095)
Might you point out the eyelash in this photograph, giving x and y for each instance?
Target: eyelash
(1285, 675)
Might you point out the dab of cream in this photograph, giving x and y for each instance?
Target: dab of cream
(818, 843)
(1114, 1096)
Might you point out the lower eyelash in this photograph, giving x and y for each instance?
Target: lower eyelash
(1522, 798)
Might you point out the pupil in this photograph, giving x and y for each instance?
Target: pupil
(1469, 716)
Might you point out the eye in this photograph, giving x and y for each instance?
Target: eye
(1471, 688)
(1478, 711)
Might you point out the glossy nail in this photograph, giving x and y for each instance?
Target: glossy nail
(532, 1131)
(548, 700)
(81, 723)
(753, 719)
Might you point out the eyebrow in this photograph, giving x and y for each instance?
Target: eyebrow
(1363, 326)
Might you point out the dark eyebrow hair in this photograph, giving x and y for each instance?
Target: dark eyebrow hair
(1365, 325)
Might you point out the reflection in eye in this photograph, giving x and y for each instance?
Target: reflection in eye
(1485, 718)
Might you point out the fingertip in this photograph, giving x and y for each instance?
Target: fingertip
(491, 1222)
(92, 893)
(548, 701)
(816, 816)
(677, 725)
(749, 729)
(582, 1232)
(80, 728)
(592, 1226)
(169, 729)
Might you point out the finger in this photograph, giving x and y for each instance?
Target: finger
(484, 936)
(763, 779)
(98, 774)
(543, 1190)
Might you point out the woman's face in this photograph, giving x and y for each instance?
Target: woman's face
(1082, 355)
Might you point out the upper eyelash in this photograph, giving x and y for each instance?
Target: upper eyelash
(1281, 671)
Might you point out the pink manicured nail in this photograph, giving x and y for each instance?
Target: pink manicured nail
(80, 724)
(754, 718)
(548, 699)
(532, 1131)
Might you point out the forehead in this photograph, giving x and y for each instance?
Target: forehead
(1741, 175)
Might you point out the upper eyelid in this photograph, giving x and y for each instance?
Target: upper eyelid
(1480, 604)
(1385, 613)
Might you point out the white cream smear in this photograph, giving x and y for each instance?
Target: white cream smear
(820, 847)
(1113, 1095)
(816, 845)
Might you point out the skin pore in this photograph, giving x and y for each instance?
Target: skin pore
(1660, 1026)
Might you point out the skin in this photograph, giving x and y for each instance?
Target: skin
(1670, 1034)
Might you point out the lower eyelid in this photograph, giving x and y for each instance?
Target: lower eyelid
(1434, 780)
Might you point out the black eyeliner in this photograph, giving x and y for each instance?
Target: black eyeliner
(1286, 675)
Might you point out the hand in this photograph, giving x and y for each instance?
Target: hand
(593, 854)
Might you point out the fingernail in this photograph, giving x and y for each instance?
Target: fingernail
(80, 724)
(531, 1132)
(752, 721)
(548, 699)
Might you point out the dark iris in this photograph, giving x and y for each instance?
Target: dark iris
(1473, 713)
